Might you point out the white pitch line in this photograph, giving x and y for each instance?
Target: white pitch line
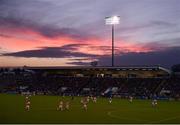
(166, 119)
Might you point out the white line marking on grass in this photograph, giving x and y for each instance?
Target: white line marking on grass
(166, 119)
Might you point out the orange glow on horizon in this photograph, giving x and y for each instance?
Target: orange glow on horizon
(27, 39)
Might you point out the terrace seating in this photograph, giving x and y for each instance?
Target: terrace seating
(52, 84)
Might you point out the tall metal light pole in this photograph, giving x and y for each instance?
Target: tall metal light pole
(112, 21)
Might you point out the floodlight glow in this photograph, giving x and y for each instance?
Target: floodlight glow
(112, 20)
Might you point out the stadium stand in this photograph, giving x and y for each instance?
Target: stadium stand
(141, 82)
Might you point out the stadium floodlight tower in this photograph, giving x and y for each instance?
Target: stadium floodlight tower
(113, 20)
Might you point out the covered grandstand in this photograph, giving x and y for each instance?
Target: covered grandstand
(115, 72)
(139, 81)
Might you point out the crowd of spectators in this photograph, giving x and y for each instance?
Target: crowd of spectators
(52, 84)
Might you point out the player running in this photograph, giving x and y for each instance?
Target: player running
(154, 103)
(94, 99)
(130, 99)
(88, 99)
(84, 103)
(110, 100)
(67, 106)
(60, 106)
(27, 105)
(85, 106)
(27, 98)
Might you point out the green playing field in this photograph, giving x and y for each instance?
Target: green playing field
(43, 110)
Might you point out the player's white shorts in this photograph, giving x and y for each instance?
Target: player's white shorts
(85, 106)
(27, 107)
(60, 107)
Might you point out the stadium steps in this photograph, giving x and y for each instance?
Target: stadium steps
(160, 86)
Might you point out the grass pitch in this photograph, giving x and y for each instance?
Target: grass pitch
(43, 110)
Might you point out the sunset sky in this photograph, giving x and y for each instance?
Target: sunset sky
(73, 32)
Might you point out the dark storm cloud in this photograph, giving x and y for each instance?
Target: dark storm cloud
(164, 43)
(81, 18)
(72, 47)
(45, 30)
(6, 36)
(69, 50)
(51, 52)
(141, 20)
(165, 58)
(34, 15)
(80, 63)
